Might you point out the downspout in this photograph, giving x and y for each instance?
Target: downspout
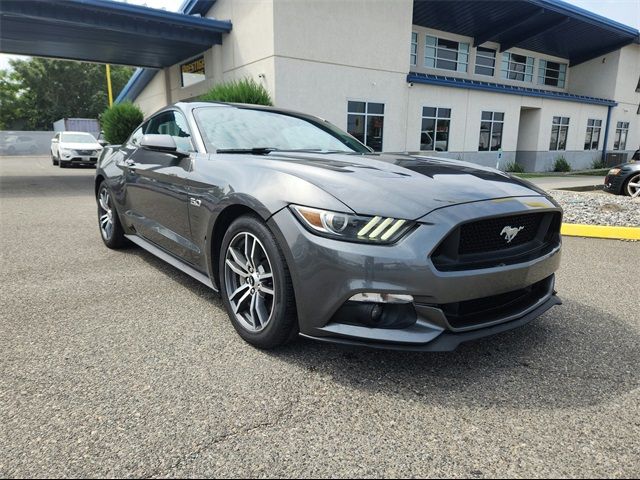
(606, 134)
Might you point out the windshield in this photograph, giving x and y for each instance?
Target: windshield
(232, 128)
(77, 138)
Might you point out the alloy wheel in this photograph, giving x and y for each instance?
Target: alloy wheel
(105, 213)
(249, 282)
(633, 186)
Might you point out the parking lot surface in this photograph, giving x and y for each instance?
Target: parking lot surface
(115, 364)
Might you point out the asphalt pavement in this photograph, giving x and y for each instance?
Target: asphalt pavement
(115, 364)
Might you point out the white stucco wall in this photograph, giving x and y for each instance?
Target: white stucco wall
(315, 56)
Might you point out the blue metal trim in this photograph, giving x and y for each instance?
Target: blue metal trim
(140, 79)
(508, 89)
(109, 6)
(582, 14)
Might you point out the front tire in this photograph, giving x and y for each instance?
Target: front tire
(632, 187)
(255, 284)
(110, 228)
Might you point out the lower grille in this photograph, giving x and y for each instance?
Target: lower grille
(489, 309)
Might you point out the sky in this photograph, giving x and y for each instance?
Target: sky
(626, 12)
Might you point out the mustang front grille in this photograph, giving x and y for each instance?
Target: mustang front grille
(498, 241)
(491, 234)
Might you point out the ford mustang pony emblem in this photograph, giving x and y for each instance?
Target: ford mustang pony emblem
(510, 233)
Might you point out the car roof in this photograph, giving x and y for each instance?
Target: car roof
(192, 105)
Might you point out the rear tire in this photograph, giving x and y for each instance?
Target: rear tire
(255, 284)
(111, 230)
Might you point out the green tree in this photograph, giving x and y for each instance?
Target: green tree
(10, 108)
(48, 90)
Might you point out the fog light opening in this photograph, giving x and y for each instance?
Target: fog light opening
(376, 314)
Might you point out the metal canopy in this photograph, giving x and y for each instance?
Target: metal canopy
(105, 31)
(546, 26)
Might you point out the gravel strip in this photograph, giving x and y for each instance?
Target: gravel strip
(598, 208)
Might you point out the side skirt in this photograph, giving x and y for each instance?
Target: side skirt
(171, 260)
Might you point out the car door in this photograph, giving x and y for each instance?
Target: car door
(156, 187)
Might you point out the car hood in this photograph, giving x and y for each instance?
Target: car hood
(397, 185)
(80, 146)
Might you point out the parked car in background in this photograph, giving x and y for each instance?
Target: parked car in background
(74, 148)
(624, 179)
(303, 229)
(18, 145)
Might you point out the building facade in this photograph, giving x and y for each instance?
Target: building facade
(487, 82)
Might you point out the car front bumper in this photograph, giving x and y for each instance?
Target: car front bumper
(326, 273)
(613, 183)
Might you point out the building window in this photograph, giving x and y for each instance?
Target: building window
(414, 49)
(491, 128)
(592, 140)
(517, 67)
(552, 73)
(365, 121)
(446, 54)
(559, 132)
(620, 141)
(192, 72)
(435, 129)
(485, 61)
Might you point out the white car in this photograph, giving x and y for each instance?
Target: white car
(18, 145)
(74, 148)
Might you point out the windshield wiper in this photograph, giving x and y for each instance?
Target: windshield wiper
(252, 151)
(268, 150)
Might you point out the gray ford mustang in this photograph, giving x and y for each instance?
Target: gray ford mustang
(304, 230)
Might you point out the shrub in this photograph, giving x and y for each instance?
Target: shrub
(561, 165)
(514, 167)
(119, 121)
(246, 90)
(598, 163)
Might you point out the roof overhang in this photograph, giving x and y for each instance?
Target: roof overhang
(546, 26)
(105, 31)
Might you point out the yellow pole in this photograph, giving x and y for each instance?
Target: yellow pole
(109, 84)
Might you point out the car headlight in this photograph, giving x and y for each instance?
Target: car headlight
(66, 152)
(353, 228)
(614, 171)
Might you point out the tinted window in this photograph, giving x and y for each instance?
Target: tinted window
(171, 123)
(136, 136)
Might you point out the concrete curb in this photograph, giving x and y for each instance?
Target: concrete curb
(600, 231)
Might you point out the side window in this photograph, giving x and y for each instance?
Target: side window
(172, 123)
(136, 136)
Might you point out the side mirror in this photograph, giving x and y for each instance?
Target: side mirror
(54, 140)
(103, 143)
